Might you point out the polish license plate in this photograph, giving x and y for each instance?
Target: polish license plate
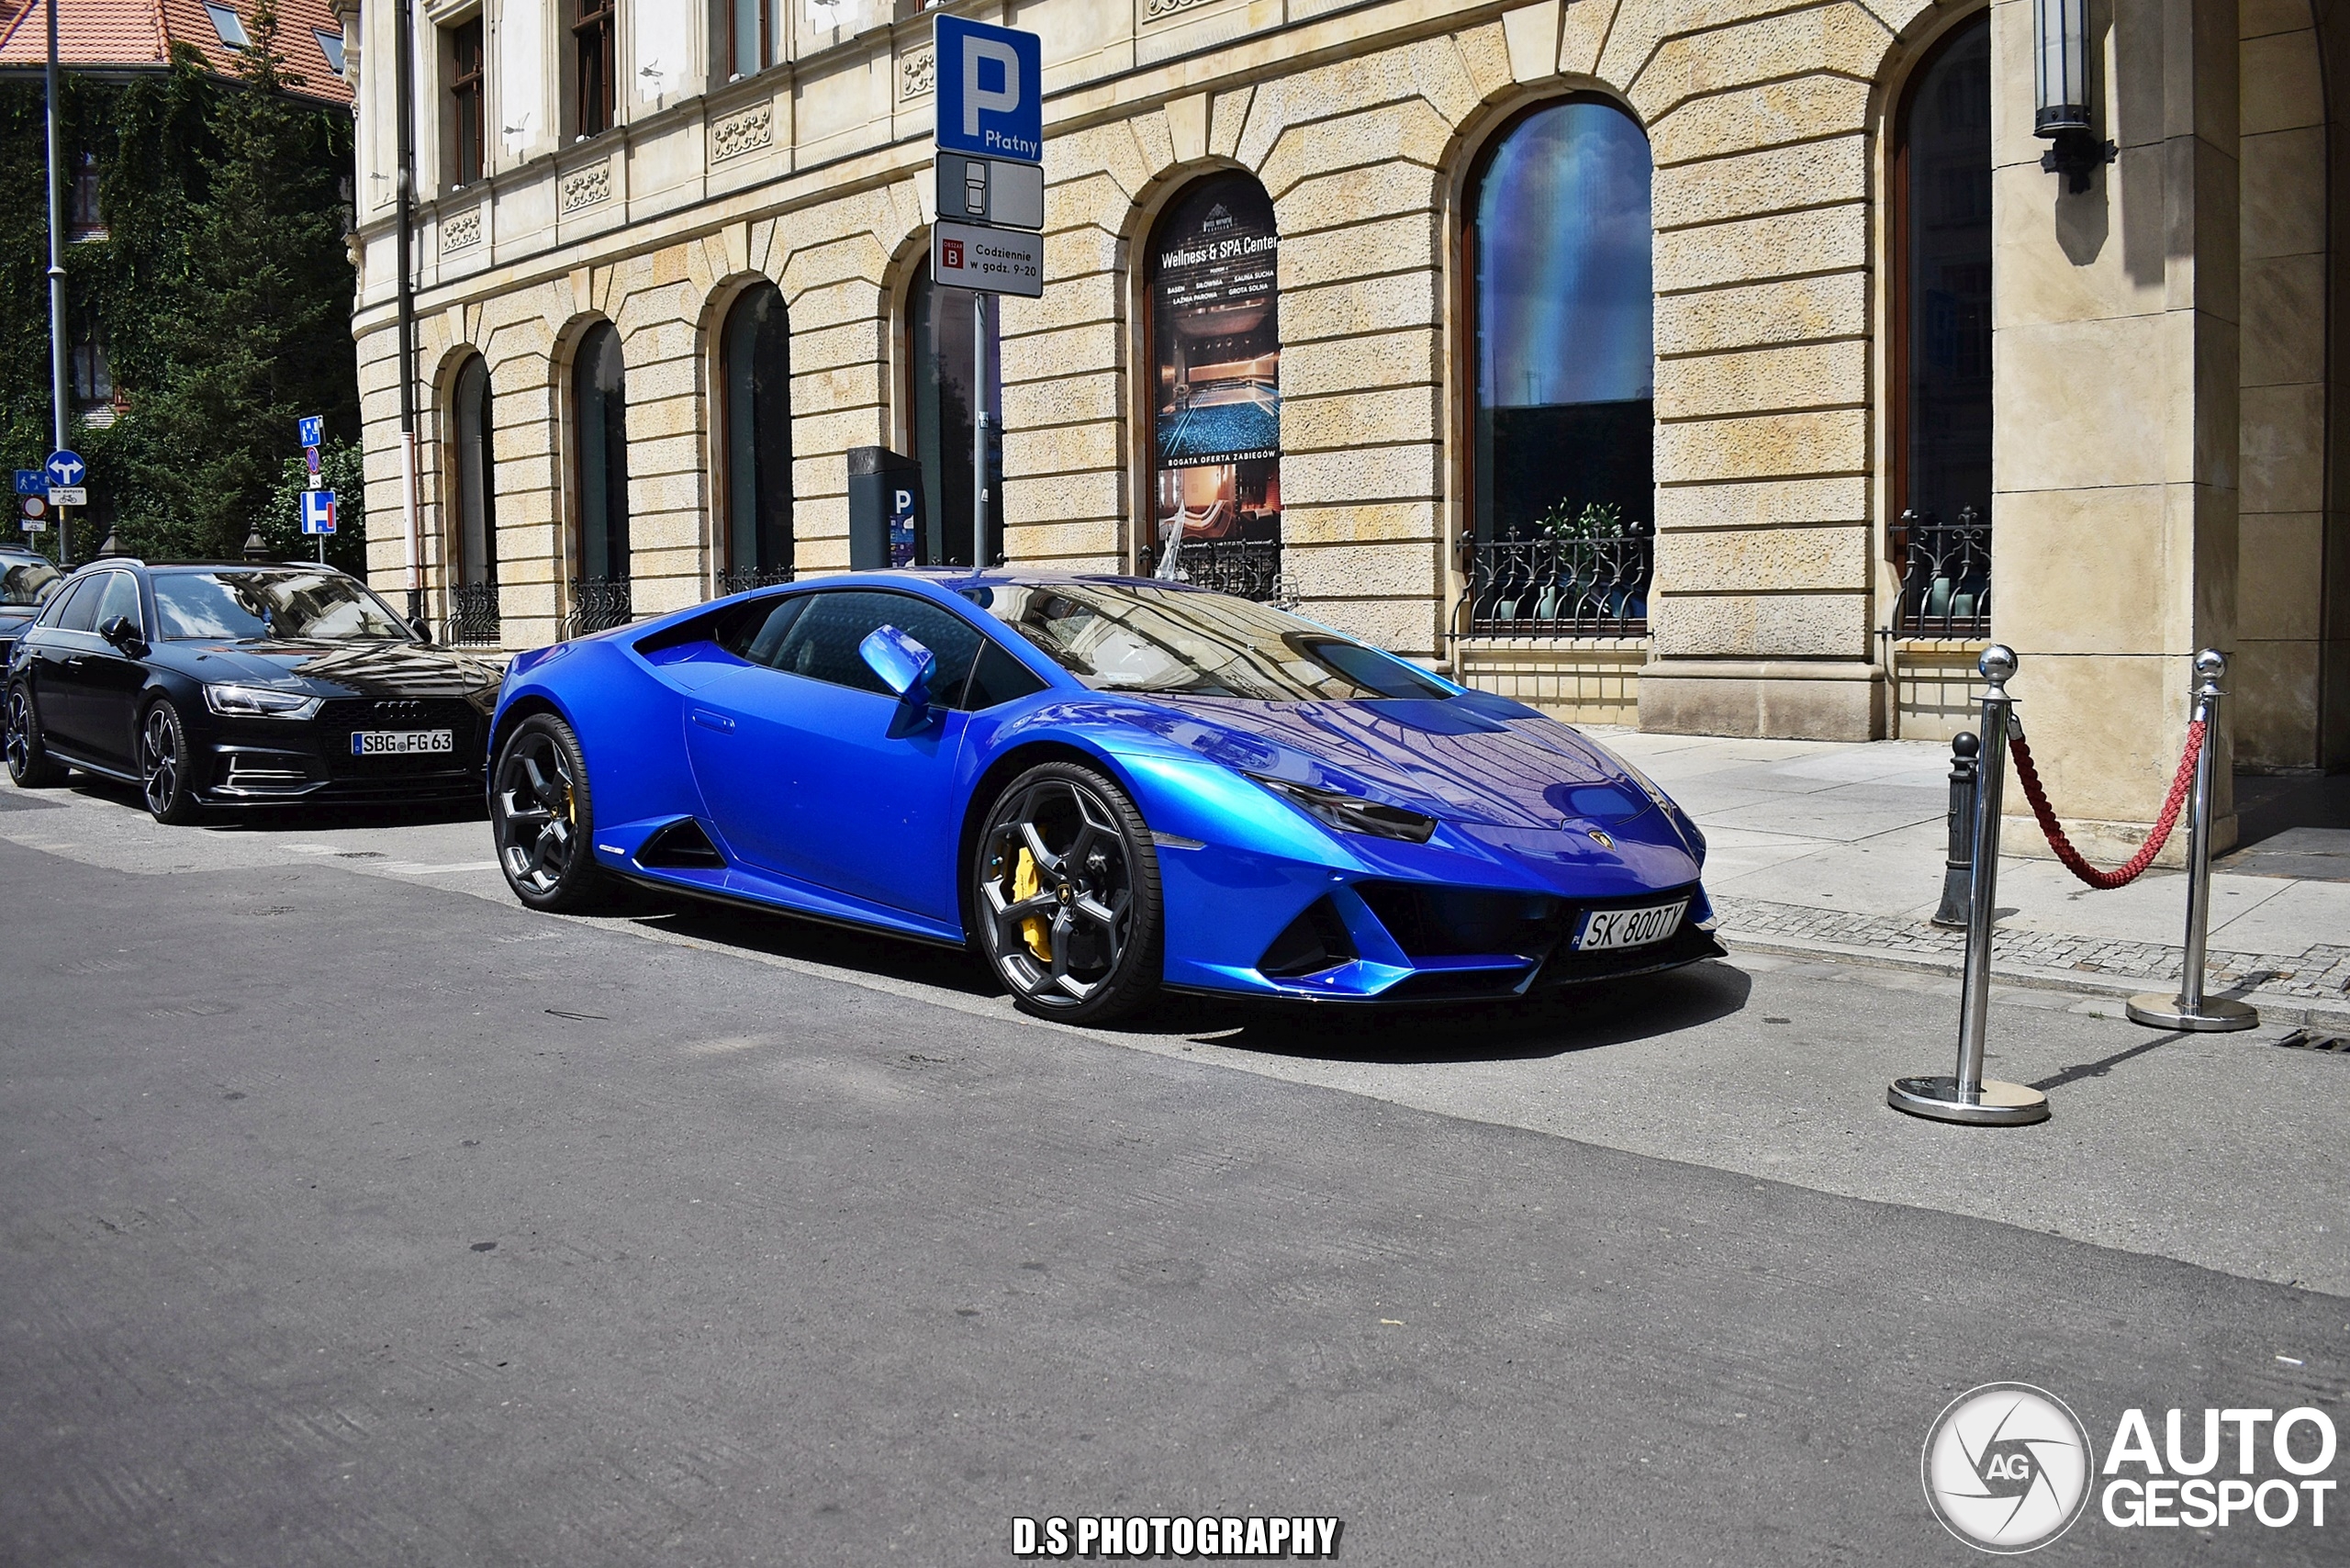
(401, 742)
(1629, 927)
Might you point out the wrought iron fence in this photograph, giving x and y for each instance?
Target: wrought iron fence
(744, 579)
(598, 603)
(1559, 587)
(1246, 568)
(1946, 576)
(473, 615)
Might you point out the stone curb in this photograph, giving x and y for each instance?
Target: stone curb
(2275, 1007)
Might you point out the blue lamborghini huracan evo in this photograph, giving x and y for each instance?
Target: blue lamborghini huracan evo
(1104, 785)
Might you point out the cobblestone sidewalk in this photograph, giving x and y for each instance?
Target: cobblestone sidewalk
(2318, 974)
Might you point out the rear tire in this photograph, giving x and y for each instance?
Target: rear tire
(1065, 896)
(541, 816)
(163, 767)
(29, 763)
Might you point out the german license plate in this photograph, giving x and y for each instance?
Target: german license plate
(1629, 927)
(401, 742)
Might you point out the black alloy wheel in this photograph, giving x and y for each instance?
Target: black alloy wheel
(538, 810)
(29, 763)
(163, 767)
(1065, 896)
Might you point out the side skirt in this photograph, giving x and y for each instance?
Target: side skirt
(732, 900)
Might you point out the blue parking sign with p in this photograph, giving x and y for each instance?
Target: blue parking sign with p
(990, 91)
(313, 429)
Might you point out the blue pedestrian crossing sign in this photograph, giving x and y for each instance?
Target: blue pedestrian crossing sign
(31, 482)
(313, 429)
(65, 470)
(317, 511)
(990, 91)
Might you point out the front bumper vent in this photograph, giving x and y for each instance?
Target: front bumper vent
(1314, 941)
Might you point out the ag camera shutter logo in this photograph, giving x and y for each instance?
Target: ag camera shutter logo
(2007, 1468)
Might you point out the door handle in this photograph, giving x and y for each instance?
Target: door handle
(709, 720)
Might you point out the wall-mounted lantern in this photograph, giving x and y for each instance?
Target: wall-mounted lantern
(2060, 47)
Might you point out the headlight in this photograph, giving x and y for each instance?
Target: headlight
(258, 703)
(1351, 813)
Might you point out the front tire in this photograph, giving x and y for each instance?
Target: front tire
(163, 767)
(541, 812)
(29, 763)
(1065, 896)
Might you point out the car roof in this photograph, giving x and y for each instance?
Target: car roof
(953, 577)
(137, 564)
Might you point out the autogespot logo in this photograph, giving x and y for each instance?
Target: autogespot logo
(2006, 1467)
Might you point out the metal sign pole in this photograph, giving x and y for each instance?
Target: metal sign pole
(981, 556)
(2190, 1009)
(1965, 1096)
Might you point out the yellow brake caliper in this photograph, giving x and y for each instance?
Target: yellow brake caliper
(1025, 885)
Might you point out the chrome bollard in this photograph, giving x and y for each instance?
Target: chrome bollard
(1965, 1096)
(1958, 863)
(2190, 1008)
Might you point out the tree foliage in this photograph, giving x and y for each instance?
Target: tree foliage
(222, 287)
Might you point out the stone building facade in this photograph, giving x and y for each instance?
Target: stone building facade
(1891, 387)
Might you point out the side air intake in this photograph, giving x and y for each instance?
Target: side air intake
(680, 846)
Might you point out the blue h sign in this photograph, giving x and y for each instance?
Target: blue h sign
(990, 91)
(317, 511)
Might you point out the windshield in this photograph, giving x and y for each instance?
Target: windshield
(24, 584)
(274, 601)
(1130, 637)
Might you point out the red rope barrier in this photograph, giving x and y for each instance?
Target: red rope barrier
(2029, 777)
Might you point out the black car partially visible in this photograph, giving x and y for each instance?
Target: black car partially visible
(237, 684)
(27, 580)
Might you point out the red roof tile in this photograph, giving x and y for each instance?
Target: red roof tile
(138, 34)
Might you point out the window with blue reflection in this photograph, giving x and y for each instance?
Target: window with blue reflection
(1559, 260)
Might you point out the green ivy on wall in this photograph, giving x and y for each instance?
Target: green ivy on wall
(221, 287)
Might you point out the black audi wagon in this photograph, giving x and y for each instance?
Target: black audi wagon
(243, 684)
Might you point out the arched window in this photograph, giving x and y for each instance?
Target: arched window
(473, 609)
(1941, 233)
(1562, 406)
(755, 353)
(940, 330)
(1215, 341)
(599, 594)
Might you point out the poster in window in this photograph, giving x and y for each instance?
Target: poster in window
(1216, 322)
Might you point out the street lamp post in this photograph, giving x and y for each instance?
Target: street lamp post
(404, 72)
(56, 288)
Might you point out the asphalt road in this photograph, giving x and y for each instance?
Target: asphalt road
(351, 1219)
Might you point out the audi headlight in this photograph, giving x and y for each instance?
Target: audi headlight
(1351, 813)
(258, 703)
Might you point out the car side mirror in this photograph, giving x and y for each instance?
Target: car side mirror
(422, 628)
(119, 632)
(903, 664)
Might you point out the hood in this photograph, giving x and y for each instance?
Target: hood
(1468, 759)
(347, 669)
